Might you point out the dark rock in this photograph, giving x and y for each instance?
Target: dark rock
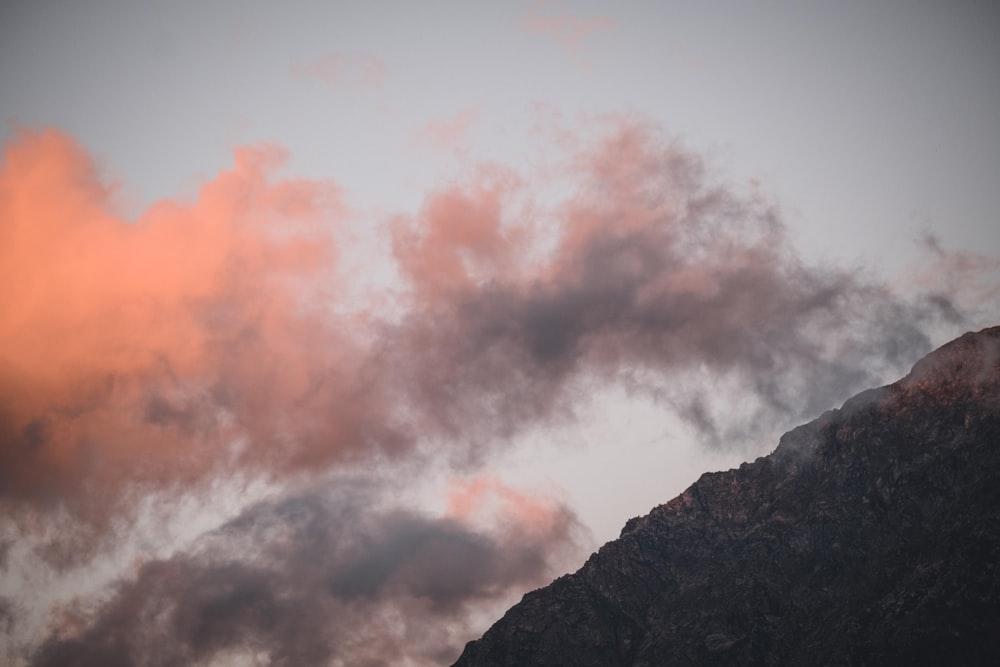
(870, 536)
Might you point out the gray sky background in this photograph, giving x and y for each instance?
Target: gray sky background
(869, 128)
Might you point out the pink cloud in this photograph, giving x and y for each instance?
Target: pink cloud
(567, 30)
(339, 69)
(450, 134)
(141, 351)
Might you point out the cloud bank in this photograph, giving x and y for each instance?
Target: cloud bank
(210, 339)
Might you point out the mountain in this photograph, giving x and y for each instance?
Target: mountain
(870, 536)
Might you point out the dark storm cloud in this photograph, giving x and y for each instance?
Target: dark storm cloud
(311, 577)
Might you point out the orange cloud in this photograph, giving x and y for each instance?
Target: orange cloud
(157, 348)
(486, 500)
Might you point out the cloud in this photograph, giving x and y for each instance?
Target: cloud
(340, 69)
(961, 281)
(203, 336)
(450, 134)
(659, 279)
(163, 349)
(317, 576)
(565, 29)
(209, 340)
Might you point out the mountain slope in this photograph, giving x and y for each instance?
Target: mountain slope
(869, 536)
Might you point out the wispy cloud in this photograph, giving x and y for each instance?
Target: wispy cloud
(564, 28)
(340, 70)
(450, 134)
(963, 281)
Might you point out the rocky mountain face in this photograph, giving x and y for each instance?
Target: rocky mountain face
(870, 536)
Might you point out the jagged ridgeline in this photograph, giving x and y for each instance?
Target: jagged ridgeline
(870, 536)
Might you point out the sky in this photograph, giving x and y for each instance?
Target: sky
(328, 330)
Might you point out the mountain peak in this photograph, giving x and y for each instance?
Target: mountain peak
(970, 363)
(870, 535)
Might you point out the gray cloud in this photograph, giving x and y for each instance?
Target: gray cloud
(667, 282)
(315, 576)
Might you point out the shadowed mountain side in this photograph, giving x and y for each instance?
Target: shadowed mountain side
(869, 536)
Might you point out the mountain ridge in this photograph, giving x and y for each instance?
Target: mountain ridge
(870, 535)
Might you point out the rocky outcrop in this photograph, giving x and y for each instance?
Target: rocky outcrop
(870, 536)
